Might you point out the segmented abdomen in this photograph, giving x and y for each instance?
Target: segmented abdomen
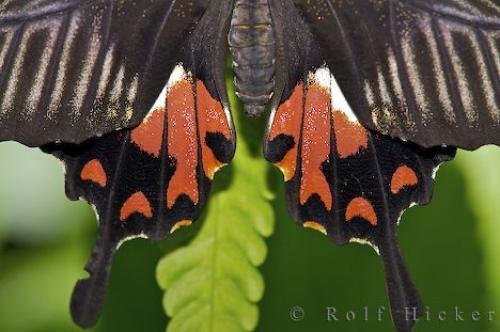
(252, 44)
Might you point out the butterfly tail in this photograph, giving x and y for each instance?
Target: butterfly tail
(89, 294)
(405, 302)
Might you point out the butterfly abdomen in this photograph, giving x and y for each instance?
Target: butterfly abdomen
(252, 43)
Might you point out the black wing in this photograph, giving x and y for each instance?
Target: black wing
(348, 182)
(74, 69)
(427, 71)
(148, 181)
(154, 178)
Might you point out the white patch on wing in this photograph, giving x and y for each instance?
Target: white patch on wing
(492, 41)
(55, 101)
(412, 204)
(369, 95)
(462, 82)
(485, 79)
(37, 87)
(85, 76)
(437, 69)
(435, 170)
(395, 77)
(178, 74)
(160, 102)
(132, 90)
(322, 77)
(339, 103)
(416, 81)
(106, 71)
(8, 97)
(383, 89)
(5, 46)
(118, 85)
(361, 241)
(131, 237)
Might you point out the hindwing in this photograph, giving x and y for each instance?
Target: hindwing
(147, 181)
(349, 182)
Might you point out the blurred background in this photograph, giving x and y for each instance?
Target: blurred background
(451, 247)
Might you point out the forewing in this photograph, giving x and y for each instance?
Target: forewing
(348, 182)
(423, 71)
(72, 70)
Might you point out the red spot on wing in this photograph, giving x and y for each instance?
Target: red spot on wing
(182, 142)
(148, 135)
(136, 203)
(315, 145)
(94, 171)
(211, 119)
(287, 121)
(361, 207)
(404, 176)
(350, 137)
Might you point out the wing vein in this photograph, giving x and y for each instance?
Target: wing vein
(149, 59)
(8, 64)
(445, 12)
(347, 43)
(449, 74)
(163, 172)
(337, 217)
(34, 14)
(405, 80)
(492, 70)
(93, 85)
(55, 60)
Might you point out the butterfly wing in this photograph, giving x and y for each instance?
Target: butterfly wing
(72, 70)
(349, 182)
(152, 179)
(423, 71)
(147, 181)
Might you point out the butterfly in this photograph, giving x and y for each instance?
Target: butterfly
(365, 100)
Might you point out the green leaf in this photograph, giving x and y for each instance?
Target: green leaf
(213, 283)
(481, 173)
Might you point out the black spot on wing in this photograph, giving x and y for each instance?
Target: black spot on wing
(222, 148)
(277, 148)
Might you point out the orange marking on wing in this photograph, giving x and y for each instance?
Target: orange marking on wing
(315, 145)
(136, 203)
(404, 176)
(361, 207)
(179, 224)
(211, 119)
(148, 135)
(316, 226)
(182, 142)
(287, 121)
(350, 137)
(94, 171)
